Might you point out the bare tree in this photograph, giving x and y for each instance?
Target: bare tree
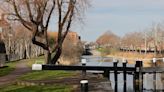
(156, 33)
(108, 39)
(133, 41)
(35, 15)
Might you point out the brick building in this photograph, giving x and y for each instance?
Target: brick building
(72, 36)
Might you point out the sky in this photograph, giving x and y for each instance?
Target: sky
(120, 17)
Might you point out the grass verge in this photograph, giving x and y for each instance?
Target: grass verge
(7, 70)
(39, 59)
(45, 88)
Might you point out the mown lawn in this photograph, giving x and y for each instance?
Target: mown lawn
(9, 69)
(46, 88)
(47, 74)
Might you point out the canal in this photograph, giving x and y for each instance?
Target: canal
(149, 85)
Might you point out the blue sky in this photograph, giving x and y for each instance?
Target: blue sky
(120, 16)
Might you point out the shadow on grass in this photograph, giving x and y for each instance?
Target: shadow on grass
(3, 67)
(6, 70)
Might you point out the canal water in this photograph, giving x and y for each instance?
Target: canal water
(149, 83)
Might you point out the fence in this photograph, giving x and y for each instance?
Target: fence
(138, 71)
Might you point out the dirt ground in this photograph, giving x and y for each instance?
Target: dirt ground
(21, 68)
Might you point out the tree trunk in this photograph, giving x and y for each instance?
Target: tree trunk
(57, 56)
(47, 57)
(27, 49)
(155, 51)
(21, 52)
(24, 55)
(140, 50)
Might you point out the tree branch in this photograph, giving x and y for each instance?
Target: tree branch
(67, 13)
(34, 41)
(58, 47)
(69, 22)
(25, 23)
(29, 10)
(42, 16)
(49, 16)
(59, 20)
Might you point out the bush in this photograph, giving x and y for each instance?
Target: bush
(71, 52)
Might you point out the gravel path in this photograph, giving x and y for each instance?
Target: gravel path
(21, 68)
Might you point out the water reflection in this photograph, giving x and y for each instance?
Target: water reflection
(121, 82)
(151, 85)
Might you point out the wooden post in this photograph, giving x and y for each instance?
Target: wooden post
(124, 75)
(142, 78)
(138, 77)
(115, 75)
(134, 81)
(84, 85)
(106, 74)
(83, 62)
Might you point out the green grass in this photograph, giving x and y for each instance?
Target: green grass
(102, 50)
(47, 74)
(7, 70)
(46, 88)
(107, 51)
